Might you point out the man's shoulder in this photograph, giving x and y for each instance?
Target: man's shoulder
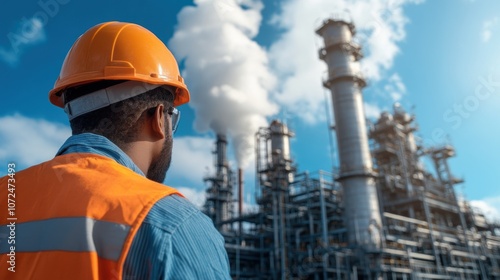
(176, 240)
(171, 212)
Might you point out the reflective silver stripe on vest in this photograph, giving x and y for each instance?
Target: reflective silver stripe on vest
(78, 234)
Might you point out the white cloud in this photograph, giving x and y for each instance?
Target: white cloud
(191, 156)
(380, 26)
(489, 206)
(197, 197)
(29, 32)
(28, 141)
(395, 87)
(488, 27)
(225, 69)
(372, 111)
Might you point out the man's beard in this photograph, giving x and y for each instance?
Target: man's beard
(159, 166)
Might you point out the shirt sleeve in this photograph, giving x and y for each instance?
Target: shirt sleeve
(177, 241)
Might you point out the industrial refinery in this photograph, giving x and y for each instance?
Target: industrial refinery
(380, 214)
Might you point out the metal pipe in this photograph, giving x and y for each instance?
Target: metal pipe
(240, 210)
(431, 231)
(282, 228)
(324, 224)
(240, 192)
(276, 234)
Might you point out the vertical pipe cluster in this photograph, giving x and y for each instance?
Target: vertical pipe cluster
(275, 173)
(345, 82)
(219, 202)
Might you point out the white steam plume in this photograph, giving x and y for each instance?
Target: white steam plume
(294, 57)
(226, 71)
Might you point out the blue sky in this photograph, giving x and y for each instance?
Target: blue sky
(438, 57)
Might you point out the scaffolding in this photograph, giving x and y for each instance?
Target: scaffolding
(442, 237)
(299, 231)
(402, 221)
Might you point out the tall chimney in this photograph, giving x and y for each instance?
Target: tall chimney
(356, 176)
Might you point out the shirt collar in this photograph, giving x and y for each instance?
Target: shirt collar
(97, 144)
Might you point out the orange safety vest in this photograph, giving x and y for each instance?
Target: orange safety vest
(77, 215)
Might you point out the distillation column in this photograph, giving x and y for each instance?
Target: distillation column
(280, 147)
(281, 163)
(218, 205)
(341, 54)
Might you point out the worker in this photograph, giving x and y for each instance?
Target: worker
(98, 209)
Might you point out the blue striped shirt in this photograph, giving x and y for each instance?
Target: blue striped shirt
(175, 241)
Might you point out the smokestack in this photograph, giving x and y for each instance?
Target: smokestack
(220, 199)
(221, 157)
(240, 192)
(345, 82)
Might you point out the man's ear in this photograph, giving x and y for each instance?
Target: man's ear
(158, 122)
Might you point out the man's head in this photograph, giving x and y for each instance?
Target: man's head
(145, 117)
(120, 81)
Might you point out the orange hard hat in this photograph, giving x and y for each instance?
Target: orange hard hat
(119, 51)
